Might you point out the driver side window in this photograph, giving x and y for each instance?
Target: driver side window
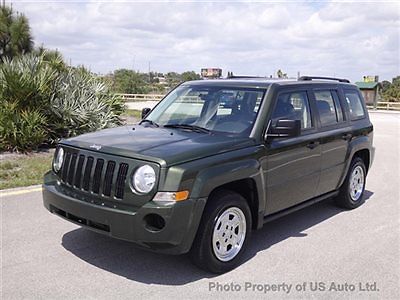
(293, 106)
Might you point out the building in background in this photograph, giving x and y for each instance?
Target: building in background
(370, 88)
(211, 73)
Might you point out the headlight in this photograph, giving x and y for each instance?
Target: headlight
(58, 160)
(143, 179)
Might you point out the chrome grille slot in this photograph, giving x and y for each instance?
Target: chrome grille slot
(97, 175)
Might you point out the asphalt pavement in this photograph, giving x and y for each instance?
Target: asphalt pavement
(319, 252)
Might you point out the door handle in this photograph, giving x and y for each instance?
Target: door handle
(347, 136)
(312, 145)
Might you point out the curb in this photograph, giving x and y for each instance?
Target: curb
(20, 190)
(383, 111)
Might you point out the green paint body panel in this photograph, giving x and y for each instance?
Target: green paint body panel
(284, 172)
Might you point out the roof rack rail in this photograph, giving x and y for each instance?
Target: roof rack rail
(242, 76)
(309, 78)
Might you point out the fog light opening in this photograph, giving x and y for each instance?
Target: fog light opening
(154, 222)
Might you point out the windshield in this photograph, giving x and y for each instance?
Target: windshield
(214, 108)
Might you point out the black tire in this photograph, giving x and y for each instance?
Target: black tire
(345, 199)
(202, 253)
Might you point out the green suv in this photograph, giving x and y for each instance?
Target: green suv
(214, 160)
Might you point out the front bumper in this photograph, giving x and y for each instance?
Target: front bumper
(176, 237)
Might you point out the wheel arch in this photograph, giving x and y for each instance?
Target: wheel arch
(243, 177)
(247, 188)
(360, 147)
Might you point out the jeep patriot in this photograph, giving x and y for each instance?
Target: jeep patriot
(214, 160)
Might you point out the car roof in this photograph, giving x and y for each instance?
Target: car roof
(260, 82)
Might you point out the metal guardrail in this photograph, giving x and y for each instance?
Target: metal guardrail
(140, 97)
(386, 106)
(158, 97)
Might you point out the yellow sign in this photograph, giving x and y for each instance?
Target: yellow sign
(369, 78)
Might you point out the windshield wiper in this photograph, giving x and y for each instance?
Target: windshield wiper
(150, 122)
(189, 127)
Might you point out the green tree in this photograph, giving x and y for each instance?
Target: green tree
(392, 93)
(172, 78)
(128, 82)
(280, 74)
(15, 34)
(189, 75)
(385, 85)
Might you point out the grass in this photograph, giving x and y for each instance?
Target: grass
(132, 113)
(24, 170)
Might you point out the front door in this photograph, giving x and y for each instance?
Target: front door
(293, 164)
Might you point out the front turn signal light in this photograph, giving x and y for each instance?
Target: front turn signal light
(171, 196)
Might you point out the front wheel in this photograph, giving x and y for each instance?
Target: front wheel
(223, 233)
(352, 191)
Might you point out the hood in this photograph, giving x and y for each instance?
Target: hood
(165, 146)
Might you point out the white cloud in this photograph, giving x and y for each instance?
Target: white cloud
(325, 38)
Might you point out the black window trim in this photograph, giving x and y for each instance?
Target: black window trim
(356, 91)
(305, 131)
(340, 124)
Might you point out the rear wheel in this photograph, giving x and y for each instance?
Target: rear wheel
(223, 233)
(352, 190)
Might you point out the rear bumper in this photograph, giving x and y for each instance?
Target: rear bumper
(176, 237)
(372, 156)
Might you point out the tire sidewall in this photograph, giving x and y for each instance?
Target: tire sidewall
(355, 203)
(221, 202)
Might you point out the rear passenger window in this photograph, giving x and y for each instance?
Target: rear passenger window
(329, 108)
(355, 105)
(293, 106)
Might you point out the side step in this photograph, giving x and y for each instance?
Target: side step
(297, 207)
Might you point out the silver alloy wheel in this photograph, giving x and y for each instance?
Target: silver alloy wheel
(229, 234)
(356, 183)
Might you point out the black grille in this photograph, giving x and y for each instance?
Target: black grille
(108, 178)
(65, 167)
(71, 172)
(79, 170)
(121, 178)
(88, 171)
(94, 175)
(97, 175)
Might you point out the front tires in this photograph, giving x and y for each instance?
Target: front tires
(352, 191)
(223, 233)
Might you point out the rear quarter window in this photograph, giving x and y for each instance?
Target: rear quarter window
(354, 102)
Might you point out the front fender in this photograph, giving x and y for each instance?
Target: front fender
(202, 176)
(216, 176)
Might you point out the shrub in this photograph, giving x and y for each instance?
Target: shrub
(24, 130)
(26, 81)
(82, 104)
(43, 100)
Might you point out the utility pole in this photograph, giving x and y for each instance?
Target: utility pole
(149, 72)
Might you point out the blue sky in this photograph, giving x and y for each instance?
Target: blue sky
(341, 38)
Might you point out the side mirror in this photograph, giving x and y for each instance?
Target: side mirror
(145, 112)
(285, 128)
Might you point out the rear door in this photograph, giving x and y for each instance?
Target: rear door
(335, 135)
(293, 164)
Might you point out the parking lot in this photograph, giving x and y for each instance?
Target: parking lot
(319, 252)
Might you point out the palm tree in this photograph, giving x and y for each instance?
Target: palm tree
(15, 34)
